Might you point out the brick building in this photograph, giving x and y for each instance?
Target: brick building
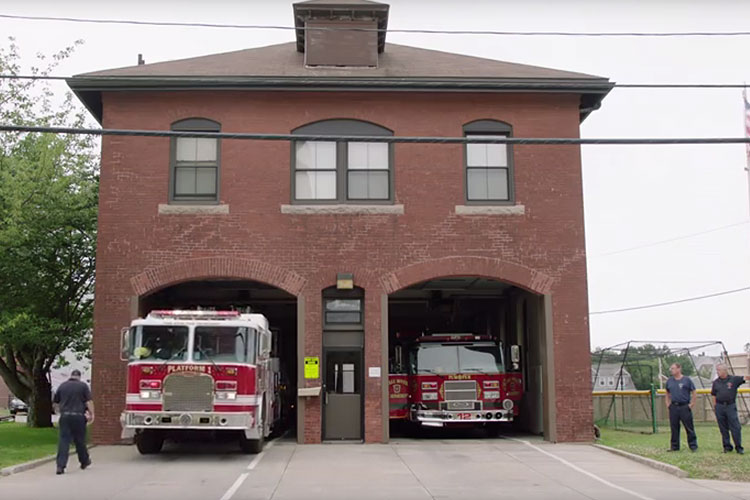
(473, 237)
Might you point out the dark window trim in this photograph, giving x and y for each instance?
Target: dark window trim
(342, 126)
(202, 125)
(490, 127)
(335, 294)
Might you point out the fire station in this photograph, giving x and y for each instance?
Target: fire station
(350, 248)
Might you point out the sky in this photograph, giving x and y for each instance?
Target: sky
(663, 223)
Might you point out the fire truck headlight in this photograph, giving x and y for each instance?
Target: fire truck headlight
(508, 404)
(429, 396)
(491, 394)
(150, 394)
(226, 395)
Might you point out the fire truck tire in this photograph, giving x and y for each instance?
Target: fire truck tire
(255, 446)
(149, 442)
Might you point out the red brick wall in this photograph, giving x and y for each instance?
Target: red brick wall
(542, 250)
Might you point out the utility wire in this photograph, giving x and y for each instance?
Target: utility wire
(379, 30)
(662, 304)
(537, 141)
(499, 84)
(669, 240)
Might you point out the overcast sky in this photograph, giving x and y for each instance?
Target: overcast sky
(635, 196)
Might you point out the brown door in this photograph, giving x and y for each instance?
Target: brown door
(342, 394)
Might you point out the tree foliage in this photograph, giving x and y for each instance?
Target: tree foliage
(48, 210)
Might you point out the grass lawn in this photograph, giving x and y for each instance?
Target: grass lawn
(709, 462)
(19, 443)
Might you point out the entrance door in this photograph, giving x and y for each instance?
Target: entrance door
(342, 396)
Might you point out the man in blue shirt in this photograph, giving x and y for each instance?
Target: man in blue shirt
(724, 391)
(680, 399)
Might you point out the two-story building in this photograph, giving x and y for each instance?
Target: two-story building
(478, 237)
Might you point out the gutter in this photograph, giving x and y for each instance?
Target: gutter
(89, 88)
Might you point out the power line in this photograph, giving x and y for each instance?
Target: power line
(536, 141)
(669, 240)
(680, 301)
(498, 84)
(391, 30)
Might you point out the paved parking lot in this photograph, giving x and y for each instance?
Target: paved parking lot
(404, 469)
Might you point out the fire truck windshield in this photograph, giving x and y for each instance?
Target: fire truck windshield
(158, 342)
(224, 343)
(440, 359)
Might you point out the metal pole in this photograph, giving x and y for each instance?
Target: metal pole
(653, 408)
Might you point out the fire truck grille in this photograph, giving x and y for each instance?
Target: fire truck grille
(460, 390)
(188, 392)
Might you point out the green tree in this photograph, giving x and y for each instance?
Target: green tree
(48, 210)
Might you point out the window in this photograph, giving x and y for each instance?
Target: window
(341, 171)
(195, 163)
(489, 172)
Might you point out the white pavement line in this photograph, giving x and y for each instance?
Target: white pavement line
(231, 491)
(260, 455)
(255, 461)
(582, 471)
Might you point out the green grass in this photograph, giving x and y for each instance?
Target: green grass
(709, 462)
(19, 443)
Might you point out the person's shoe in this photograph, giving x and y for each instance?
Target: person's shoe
(741, 452)
(60, 470)
(693, 449)
(87, 464)
(730, 450)
(672, 449)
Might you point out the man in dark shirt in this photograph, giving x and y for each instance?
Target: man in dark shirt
(73, 403)
(680, 399)
(724, 391)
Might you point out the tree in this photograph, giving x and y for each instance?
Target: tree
(48, 210)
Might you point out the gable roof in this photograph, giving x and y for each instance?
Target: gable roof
(282, 67)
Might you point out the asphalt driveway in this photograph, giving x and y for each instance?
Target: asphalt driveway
(403, 469)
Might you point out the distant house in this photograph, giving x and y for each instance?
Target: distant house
(739, 363)
(606, 377)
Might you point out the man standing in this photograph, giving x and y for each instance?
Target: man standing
(73, 403)
(724, 391)
(680, 399)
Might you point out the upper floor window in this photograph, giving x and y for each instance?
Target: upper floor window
(194, 170)
(338, 171)
(489, 167)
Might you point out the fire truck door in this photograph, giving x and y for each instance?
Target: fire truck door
(342, 394)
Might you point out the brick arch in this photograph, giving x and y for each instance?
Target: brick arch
(154, 279)
(521, 276)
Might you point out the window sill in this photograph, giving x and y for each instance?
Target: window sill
(490, 209)
(166, 209)
(342, 209)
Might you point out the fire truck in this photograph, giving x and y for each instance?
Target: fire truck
(455, 379)
(199, 371)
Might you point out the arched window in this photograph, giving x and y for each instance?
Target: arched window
(339, 171)
(489, 167)
(194, 165)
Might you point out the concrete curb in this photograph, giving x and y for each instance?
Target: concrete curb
(33, 464)
(654, 464)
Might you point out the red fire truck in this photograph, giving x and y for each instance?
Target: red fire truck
(454, 379)
(199, 371)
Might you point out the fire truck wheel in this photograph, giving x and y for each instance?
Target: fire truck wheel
(149, 442)
(253, 446)
(493, 431)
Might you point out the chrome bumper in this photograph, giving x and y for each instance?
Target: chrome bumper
(440, 418)
(133, 421)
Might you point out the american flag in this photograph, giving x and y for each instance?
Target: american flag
(747, 125)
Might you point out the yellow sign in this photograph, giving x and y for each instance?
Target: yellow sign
(312, 367)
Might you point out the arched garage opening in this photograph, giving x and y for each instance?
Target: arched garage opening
(279, 306)
(480, 306)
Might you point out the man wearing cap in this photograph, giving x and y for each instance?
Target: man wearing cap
(680, 399)
(724, 391)
(73, 403)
